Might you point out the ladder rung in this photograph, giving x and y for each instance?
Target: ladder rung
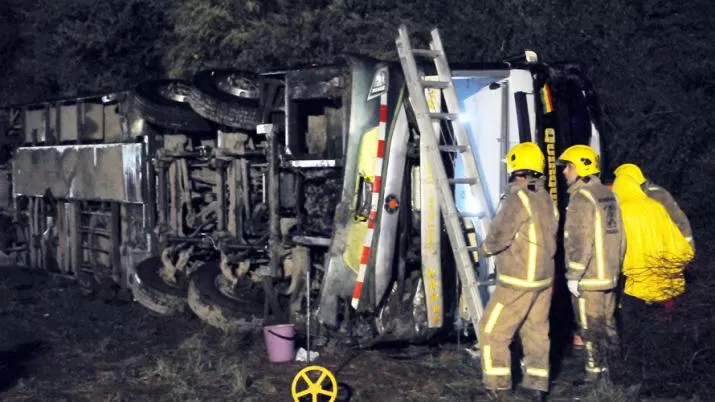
(444, 116)
(101, 232)
(435, 84)
(477, 215)
(464, 180)
(428, 53)
(487, 283)
(453, 148)
(472, 249)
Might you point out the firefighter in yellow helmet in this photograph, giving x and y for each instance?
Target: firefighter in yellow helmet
(522, 236)
(657, 251)
(594, 245)
(661, 195)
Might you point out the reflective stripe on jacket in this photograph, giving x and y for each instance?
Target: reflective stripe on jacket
(594, 241)
(523, 237)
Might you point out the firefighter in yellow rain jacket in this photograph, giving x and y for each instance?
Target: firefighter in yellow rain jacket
(661, 195)
(523, 238)
(594, 244)
(657, 250)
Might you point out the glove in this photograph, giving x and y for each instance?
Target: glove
(573, 287)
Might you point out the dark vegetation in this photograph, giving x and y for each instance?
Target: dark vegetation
(650, 61)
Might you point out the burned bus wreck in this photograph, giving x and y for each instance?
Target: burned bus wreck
(296, 196)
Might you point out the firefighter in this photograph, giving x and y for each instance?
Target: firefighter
(653, 268)
(594, 245)
(522, 236)
(657, 250)
(661, 195)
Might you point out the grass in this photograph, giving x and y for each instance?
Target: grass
(606, 391)
(105, 352)
(197, 367)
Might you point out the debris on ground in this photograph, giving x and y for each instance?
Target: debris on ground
(302, 355)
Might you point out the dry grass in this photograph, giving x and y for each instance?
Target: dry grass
(606, 391)
(198, 366)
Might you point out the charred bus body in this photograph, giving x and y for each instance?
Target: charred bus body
(224, 194)
(78, 182)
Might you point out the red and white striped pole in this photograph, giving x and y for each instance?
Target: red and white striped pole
(372, 218)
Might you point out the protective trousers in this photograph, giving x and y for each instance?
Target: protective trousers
(595, 314)
(510, 310)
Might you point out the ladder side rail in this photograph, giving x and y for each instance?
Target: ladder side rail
(460, 133)
(447, 204)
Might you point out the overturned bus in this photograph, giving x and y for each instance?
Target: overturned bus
(291, 196)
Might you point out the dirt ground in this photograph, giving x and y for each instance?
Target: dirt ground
(57, 344)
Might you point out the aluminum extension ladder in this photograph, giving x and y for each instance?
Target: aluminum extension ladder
(453, 219)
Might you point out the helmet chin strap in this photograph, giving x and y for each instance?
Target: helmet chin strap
(528, 174)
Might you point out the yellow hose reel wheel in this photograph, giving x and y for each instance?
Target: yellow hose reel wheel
(303, 385)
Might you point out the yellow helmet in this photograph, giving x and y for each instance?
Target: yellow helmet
(525, 156)
(631, 170)
(584, 158)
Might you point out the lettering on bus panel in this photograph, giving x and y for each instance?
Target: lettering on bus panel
(550, 140)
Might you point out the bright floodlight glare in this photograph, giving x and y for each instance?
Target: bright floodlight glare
(530, 56)
(109, 98)
(464, 117)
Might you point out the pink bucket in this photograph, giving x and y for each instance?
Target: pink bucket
(280, 342)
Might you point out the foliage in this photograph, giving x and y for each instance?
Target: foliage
(8, 30)
(648, 60)
(80, 46)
